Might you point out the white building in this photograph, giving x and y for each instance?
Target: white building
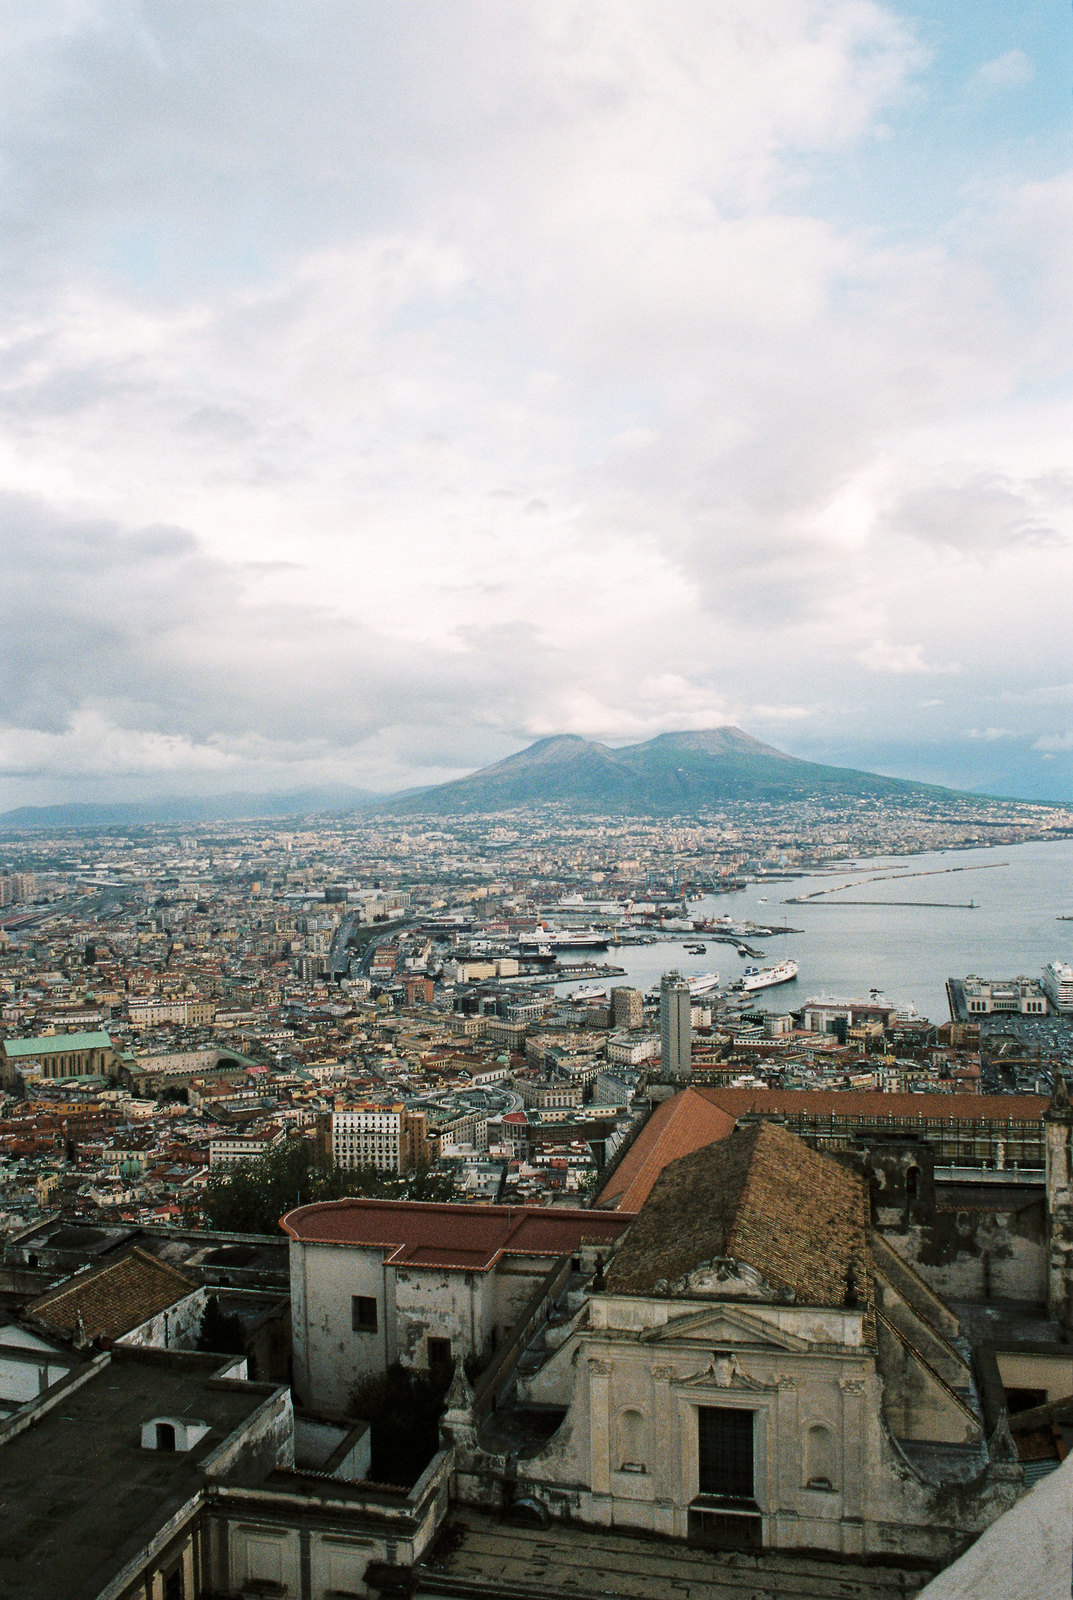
(1023, 997)
(759, 1371)
(379, 1281)
(369, 1138)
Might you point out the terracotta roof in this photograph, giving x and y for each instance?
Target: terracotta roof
(680, 1125)
(762, 1197)
(869, 1103)
(109, 1302)
(471, 1237)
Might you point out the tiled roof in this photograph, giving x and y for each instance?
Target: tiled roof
(471, 1237)
(762, 1197)
(870, 1103)
(113, 1299)
(680, 1125)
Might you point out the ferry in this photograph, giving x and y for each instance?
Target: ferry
(767, 977)
(703, 984)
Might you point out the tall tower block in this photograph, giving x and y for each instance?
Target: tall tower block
(675, 1026)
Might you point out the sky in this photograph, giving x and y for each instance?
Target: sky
(383, 387)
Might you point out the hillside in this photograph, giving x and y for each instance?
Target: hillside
(672, 774)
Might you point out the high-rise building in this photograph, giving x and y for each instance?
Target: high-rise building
(627, 1008)
(675, 1025)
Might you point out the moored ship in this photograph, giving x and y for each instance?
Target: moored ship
(768, 977)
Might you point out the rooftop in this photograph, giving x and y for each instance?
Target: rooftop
(54, 1044)
(870, 1103)
(760, 1196)
(112, 1300)
(469, 1237)
(81, 1495)
(680, 1125)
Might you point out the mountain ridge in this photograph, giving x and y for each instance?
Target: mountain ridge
(674, 773)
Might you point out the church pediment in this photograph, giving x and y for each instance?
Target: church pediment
(724, 1325)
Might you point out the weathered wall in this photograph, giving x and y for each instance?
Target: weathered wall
(979, 1254)
(175, 1328)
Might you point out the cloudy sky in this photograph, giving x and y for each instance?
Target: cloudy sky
(383, 386)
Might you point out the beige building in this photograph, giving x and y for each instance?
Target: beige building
(759, 1370)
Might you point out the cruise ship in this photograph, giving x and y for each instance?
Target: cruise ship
(564, 939)
(767, 977)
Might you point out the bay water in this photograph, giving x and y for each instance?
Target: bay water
(905, 950)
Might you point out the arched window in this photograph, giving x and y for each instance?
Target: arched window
(820, 1467)
(630, 1441)
(165, 1436)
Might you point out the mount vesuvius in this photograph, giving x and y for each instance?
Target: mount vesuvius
(673, 774)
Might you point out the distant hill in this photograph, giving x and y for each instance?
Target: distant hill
(673, 774)
(189, 809)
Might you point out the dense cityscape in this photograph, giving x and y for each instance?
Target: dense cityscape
(452, 984)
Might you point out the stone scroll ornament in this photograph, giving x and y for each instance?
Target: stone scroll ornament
(723, 1278)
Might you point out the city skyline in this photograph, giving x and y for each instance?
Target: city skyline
(386, 389)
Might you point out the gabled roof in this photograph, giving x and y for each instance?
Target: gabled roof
(109, 1302)
(56, 1044)
(761, 1197)
(680, 1125)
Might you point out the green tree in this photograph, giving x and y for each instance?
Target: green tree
(251, 1196)
(221, 1331)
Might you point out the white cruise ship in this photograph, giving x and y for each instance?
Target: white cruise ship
(767, 977)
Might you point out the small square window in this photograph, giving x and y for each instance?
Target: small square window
(439, 1353)
(363, 1313)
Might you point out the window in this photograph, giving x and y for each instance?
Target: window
(165, 1436)
(174, 1589)
(725, 1445)
(439, 1354)
(363, 1313)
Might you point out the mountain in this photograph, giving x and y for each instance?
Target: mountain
(672, 774)
(189, 809)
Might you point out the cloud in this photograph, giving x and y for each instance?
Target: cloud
(450, 375)
(881, 656)
(1011, 70)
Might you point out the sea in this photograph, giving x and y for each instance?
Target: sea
(994, 912)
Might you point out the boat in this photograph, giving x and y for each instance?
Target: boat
(702, 984)
(696, 949)
(768, 977)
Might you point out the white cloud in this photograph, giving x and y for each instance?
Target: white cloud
(1010, 70)
(882, 656)
(451, 375)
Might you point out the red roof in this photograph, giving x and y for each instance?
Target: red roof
(470, 1237)
(678, 1126)
(869, 1103)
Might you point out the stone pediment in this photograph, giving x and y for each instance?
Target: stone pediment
(724, 1325)
(723, 1278)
